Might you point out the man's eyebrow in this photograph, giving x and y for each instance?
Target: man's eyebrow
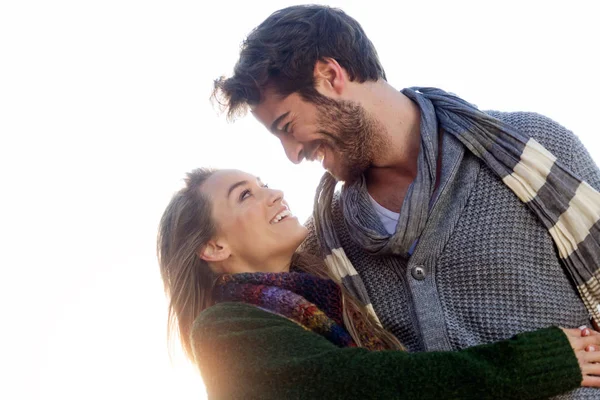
(235, 185)
(277, 121)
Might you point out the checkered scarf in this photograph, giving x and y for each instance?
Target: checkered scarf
(567, 206)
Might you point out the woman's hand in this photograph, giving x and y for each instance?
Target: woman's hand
(585, 343)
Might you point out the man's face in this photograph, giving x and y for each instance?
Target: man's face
(338, 133)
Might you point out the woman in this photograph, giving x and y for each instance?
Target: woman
(226, 246)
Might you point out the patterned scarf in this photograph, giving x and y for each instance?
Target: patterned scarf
(568, 207)
(312, 302)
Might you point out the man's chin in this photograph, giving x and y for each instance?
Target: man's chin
(347, 176)
(340, 177)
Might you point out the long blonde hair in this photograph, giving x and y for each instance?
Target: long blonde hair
(186, 225)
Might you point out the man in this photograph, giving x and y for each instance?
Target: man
(445, 251)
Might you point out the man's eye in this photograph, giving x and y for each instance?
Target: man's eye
(245, 194)
(286, 127)
(266, 186)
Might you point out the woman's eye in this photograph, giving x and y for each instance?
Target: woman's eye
(286, 127)
(266, 186)
(245, 194)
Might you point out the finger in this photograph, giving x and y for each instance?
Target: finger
(591, 347)
(588, 368)
(572, 331)
(591, 381)
(585, 331)
(591, 356)
(583, 342)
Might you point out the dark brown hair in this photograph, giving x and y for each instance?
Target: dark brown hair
(282, 52)
(186, 225)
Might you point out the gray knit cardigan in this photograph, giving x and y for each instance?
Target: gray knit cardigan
(485, 268)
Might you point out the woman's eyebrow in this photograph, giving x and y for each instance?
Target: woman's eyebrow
(235, 185)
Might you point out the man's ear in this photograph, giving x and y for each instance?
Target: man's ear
(214, 251)
(330, 77)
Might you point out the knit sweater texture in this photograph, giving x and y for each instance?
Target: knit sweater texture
(244, 352)
(488, 268)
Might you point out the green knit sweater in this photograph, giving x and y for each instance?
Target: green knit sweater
(244, 352)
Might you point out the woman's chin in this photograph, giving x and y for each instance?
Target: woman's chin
(302, 234)
(291, 229)
(295, 237)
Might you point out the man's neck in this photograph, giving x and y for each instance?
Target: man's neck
(393, 171)
(388, 187)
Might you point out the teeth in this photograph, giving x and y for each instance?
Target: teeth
(280, 216)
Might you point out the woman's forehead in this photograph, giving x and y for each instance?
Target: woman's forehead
(221, 182)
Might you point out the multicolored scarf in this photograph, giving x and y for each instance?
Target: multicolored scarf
(568, 207)
(311, 302)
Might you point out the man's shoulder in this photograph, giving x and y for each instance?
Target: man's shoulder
(551, 134)
(526, 120)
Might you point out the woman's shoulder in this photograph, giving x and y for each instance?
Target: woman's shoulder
(235, 316)
(226, 309)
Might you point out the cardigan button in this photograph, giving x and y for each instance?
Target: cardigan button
(418, 272)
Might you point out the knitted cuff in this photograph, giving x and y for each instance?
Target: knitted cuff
(552, 366)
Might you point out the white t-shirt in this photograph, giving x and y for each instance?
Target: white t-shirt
(388, 218)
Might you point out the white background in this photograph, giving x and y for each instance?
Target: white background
(104, 106)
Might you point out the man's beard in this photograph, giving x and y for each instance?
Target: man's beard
(352, 134)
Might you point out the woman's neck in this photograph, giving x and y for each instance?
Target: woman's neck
(279, 263)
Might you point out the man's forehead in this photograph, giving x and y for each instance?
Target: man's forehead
(271, 107)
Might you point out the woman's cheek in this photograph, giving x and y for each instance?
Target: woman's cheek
(246, 221)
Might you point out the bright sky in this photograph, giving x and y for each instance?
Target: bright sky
(104, 107)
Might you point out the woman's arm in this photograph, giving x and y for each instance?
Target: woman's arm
(246, 352)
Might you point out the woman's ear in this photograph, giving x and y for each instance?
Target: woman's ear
(214, 251)
(330, 78)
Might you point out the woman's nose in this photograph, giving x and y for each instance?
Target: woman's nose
(274, 196)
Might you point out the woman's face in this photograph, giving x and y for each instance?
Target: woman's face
(256, 231)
